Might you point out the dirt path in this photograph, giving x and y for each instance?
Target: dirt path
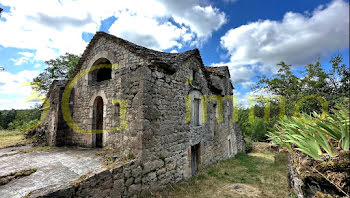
(57, 167)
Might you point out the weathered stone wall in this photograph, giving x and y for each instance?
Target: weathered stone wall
(308, 177)
(126, 84)
(167, 139)
(46, 131)
(126, 180)
(157, 132)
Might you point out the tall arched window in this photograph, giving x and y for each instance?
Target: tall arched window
(196, 108)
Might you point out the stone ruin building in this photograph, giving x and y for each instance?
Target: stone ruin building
(164, 125)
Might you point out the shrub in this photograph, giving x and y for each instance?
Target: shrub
(315, 135)
(248, 144)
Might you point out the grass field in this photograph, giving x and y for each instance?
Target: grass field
(246, 175)
(12, 138)
(257, 174)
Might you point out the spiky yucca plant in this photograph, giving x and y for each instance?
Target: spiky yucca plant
(315, 135)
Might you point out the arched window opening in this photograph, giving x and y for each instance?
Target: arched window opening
(102, 74)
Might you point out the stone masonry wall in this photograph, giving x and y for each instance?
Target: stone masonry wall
(128, 180)
(167, 139)
(126, 84)
(157, 132)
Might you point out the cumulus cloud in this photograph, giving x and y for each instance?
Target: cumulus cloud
(59, 22)
(203, 20)
(239, 73)
(175, 23)
(20, 61)
(24, 59)
(244, 99)
(298, 39)
(159, 24)
(26, 54)
(147, 31)
(231, 1)
(15, 86)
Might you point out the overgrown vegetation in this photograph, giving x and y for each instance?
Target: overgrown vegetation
(333, 86)
(60, 68)
(12, 138)
(20, 120)
(254, 173)
(315, 135)
(16, 175)
(325, 138)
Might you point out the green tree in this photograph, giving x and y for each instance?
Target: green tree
(257, 130)
(1, 120)
(333, 85)
(25, 119)
(7, 117)
(60, 68)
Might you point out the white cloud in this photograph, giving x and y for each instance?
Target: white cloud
(16, 104)
(239, 73)
(55, 27)
(244, 99)
(298, 39)
(14, 89)
(193, 23)
(203, 20)
(231, 1)
(37, 65)
(24, 59)
(20, 61)
(247, 84)
(51, 28)
(26, 54)
(147, 32)
(29, 29)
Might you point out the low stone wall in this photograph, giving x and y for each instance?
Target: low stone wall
(310, 178)
(127, 180)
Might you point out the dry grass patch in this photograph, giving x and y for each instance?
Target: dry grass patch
(82, 178)
(16, 175)
(253, 175)
(38, 148)
(12, 138)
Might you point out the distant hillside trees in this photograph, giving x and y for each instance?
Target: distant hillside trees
(19, 119)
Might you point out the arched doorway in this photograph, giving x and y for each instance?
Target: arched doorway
(98, 121)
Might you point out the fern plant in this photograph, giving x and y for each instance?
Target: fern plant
(314, 135)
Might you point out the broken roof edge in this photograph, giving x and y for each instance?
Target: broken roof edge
(224, 69)
(168, 61)
(165, 60)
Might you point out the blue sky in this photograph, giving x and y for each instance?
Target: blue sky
(249, 36)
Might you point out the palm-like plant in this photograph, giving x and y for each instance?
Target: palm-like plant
(314, 135)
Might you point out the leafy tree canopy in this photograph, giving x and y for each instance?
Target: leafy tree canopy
(60, 68)
(333, 85)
